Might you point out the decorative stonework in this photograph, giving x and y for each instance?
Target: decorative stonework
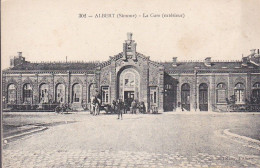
(44, 80)
(221, 79)
(10, 81)
(76, 80)
(203, 80)
(60, 80)
(239, 79)
(28, 80)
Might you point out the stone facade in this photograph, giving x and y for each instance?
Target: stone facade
(168, 86)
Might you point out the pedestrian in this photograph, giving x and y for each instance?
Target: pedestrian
(114, 106)
(94, 106)
(119, 106)
(97, 107)
(125, 107)
(133, 106)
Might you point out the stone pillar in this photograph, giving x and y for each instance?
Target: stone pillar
(113, 82)
(248, 86)
(97, 79)
(85, 89)
(19, 90)
(230, 86)
(161, 88)
(178, 94)
(4, 91)
(68, 88)
(196, 92)
(144, 82)
(36, 89)
(212, 93)
(52, 88)
(193, 92)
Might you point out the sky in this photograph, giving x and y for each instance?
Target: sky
(50, 30)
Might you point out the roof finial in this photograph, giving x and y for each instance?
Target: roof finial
(129, 36)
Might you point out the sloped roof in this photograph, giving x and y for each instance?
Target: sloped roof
(184, 66)
(87, 66)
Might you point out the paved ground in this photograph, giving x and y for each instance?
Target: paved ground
(163, 140)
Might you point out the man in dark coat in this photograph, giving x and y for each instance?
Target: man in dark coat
(119, 108)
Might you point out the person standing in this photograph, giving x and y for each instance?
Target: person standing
(114, 106)
(119, 109)
(97, 107)
(125, 106)
(133, 106)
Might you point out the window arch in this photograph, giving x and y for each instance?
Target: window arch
(43, 93)
(27, 93)
(221, 93)
(60, 93)
(11, 94)
(76, 93)
(239, 93)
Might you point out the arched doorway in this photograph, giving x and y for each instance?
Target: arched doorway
(76, 93)
(27, 93)
(239, 93)
(44, 93)
(60, 93)
(11, 94)
(203, 97)
(129, 85)
(256, 93)
(185, 96)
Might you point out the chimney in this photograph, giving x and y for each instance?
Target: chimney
(20, 54)
(258, 53)
(244, 61)
(174, 61)
(252, 51)
(208, 61)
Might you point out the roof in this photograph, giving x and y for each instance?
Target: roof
(87, 66)
(186, 66)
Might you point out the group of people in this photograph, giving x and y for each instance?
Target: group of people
(118, 106)
(121, 107)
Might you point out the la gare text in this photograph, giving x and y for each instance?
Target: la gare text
(143, 15)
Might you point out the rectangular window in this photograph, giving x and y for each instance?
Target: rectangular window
(221, 96)
(153, 95)
(105, 94)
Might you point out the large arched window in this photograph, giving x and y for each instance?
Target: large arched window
(11, 94)
(221, 93)
(60, 93)
(240, 93)
(129, 80)
(256, 92)
(44, 93)
(76, 93)
(27, 93)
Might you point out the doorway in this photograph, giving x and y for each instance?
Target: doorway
(185, 97)
(203, 97)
